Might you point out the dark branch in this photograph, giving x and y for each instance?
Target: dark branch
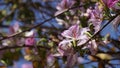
(99, 31)
(13, 47)
(38, 24)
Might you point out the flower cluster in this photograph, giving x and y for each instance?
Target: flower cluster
(75, 37)
(77, 34)
(20, 41)
(96, 16)
(110, 3)
(84, 23)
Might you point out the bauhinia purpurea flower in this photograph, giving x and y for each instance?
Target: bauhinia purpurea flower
(64, 5)
(95, 16)
(77, 35)
(75, 32)
(74, 36)
(110, 3)
(66, 47)
(30, 40)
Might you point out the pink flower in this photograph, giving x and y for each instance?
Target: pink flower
(65, 47)
(115, 22)
(74, 32)
(96, 16)
(65, 4)
(50, 60)
(30, 40)
(110, 3)
(27, 66)
(71, 60)
(14, 28)
(92, 45)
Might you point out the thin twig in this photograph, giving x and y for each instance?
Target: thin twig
(13, 47)
(12, 11)
(38, 25)
(44, 16)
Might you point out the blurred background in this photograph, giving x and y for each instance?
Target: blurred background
(28, 13)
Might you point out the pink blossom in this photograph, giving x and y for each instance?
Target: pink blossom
(14, 28)
(50, 60)
(27, 66)
(30, 40)
(74, 32)
(115, 22)
(65, 47)
(96, 16)
(110, 3)
(65, 4)
(71, 60)
(93, 47)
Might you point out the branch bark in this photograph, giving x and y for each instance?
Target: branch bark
(13, 47)
(38, 25)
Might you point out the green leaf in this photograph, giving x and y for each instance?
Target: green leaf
(51, 44)
(118, 3)
(87, 33)
(4, 12)
(2, 61)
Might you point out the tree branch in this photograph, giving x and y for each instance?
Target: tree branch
(99, 31)
(38, 25)
(13, 47)
(12, 11)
